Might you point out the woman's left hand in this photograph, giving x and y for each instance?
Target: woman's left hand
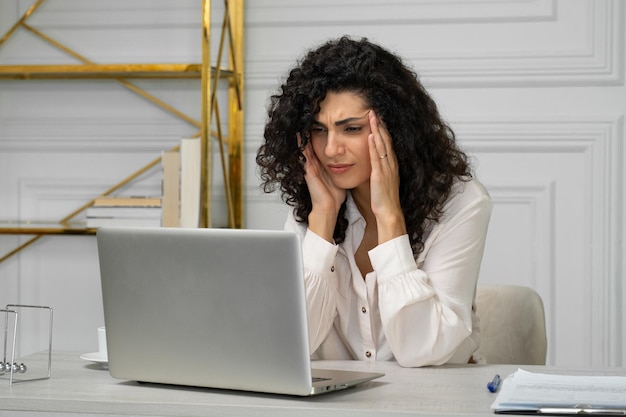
(384, 183)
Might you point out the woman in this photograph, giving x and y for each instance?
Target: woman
(392, 222)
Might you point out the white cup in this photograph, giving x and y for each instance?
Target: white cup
(102, 342)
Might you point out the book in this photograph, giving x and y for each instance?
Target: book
(170, 165)
(128, 201)
(124, 211)
(95, 222)
(190, 166)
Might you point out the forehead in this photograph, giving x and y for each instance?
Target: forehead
(340, 105)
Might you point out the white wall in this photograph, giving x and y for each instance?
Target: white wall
(534, 90)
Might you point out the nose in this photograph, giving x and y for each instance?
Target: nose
(334, 145)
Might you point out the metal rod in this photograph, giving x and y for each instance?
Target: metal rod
(21, 21)
(205, 144)
(122, 81)
(20, 247)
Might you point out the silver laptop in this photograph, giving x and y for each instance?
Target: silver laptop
(217, 308)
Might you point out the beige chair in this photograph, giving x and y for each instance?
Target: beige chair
(512, 325)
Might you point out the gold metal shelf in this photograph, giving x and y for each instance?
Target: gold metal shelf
(230, 144)
(45, 228)
(37, 230)
(107, 71)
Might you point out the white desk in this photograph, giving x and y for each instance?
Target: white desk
(80, 387)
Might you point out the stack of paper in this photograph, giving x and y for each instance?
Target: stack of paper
(528, 393)
(124, 211)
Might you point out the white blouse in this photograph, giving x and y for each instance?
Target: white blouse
(416, 311)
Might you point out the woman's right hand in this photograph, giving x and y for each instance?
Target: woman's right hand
(326, 197)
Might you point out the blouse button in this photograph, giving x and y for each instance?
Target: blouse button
(364, 310)
(368, 354)
(332, 268)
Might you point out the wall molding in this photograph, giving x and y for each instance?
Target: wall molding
(86, 134)
(115, 31)
(600, 144)
(285, 13)
(537, 198)
(120, 14)
(48, 198)
(595, 61)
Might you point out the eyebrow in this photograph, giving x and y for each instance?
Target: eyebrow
(343, 121)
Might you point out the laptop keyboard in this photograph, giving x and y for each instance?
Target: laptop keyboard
(319, 379)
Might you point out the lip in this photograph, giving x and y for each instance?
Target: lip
(339, 168)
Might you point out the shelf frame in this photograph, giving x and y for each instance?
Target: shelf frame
(230, 148)
(105, 71)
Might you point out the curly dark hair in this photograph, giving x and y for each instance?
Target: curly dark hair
(428, 156)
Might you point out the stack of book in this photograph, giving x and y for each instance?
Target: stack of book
(125, 211)
(178, 206)
(181, 184)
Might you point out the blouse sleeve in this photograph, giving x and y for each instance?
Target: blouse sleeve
(426, 312)
(320, 281)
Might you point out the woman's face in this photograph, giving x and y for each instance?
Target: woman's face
(339, 139)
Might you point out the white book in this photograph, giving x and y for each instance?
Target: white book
(123, 211)
(94, 222)
(127, 201)
(170, 162)
(190, 166)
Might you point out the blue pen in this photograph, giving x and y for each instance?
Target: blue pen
(494, 384)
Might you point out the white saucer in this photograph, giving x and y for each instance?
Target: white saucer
(96, 357)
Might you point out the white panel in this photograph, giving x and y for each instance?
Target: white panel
(520, 248)
(65, 134)
(10, 276)
(576, 43)
(114, 31)
(265, 211)
(269, 13)
(46, 101)
(115, 13)
(60, 271)
(563, 230)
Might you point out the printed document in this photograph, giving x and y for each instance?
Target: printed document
(529, 392)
